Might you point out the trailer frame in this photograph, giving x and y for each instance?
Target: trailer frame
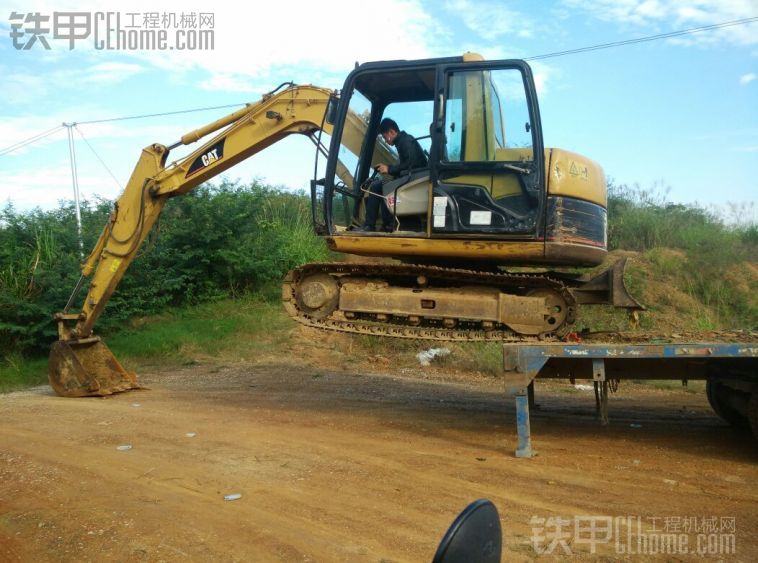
(730, 366)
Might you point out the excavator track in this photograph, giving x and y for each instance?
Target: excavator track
(296, 287)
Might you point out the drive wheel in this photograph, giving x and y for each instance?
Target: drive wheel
(557, 309)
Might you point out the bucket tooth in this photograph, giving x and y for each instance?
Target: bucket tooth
(87, 368)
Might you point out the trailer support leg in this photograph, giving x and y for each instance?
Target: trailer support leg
(522, 424)
(601, 390)
(520, 368)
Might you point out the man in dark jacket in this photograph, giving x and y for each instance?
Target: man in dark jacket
(410, 156)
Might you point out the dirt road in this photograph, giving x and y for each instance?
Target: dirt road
(346, 465)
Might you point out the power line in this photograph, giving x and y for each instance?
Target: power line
(643, 39)
(40, 136)
(157, 114)
(98, 157)
(29, 141)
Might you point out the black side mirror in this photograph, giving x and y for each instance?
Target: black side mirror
(474, 537)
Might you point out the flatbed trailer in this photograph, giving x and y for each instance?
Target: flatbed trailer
(730, 370)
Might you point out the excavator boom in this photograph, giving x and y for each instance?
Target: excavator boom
(80, 364)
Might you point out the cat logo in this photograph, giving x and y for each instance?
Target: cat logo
(211, 155)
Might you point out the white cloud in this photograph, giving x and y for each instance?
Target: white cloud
(634, 12)
(26, 88)
(252, 41)
(252, 46)
(650, 9)
(747, 78)
(659, 16)
(44, 186)
(543, 75)
(110, 72)
(20, 87)
(491, 20)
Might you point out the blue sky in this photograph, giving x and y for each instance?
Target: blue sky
(678, 114)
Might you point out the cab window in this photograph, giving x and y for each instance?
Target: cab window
(487, 117)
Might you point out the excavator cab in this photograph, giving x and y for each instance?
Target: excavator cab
(488, 173)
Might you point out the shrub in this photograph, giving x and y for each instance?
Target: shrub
(214, 242)
(714, 250)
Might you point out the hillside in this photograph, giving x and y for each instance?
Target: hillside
(670, 286)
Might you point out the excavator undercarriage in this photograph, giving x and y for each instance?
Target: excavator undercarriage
(437, 303)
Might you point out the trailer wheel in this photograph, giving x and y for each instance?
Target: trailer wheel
(719, 396)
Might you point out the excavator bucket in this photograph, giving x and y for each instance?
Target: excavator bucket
(87, 368)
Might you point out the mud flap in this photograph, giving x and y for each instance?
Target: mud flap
(87, 368)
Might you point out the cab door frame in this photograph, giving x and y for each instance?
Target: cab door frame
(536, 179)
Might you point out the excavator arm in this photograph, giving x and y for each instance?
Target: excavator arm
(80, 363)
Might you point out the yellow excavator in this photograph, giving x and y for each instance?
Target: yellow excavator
(491, 197)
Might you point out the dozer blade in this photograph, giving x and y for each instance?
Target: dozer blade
(87, 368)
(605, 288)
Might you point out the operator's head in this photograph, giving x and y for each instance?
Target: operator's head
(388, 129)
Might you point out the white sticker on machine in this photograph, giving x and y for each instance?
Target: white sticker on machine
(438, 210)
(480, 218)
(440, 204)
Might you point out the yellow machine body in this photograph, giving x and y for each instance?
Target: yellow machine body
(485, 199)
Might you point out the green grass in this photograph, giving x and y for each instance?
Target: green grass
(239, 326)
(236, 329)
(17, 372)
(486, 357)
(697, 386)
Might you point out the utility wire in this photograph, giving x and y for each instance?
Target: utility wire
(157, 114)
(643, 39)
(98, 156)
(40, 136)
(29, 141)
